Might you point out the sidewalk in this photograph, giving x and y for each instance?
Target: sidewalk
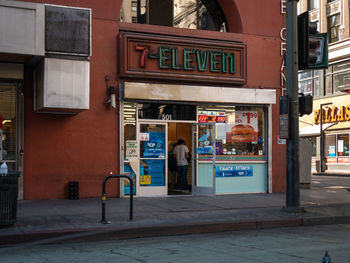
(77, 220)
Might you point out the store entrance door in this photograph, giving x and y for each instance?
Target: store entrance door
(152, 179)
(203, 160)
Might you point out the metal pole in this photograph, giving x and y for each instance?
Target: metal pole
(293, 190)
(104, 196)
(103, 220)
(321, 140)
(322, 137)
(131, 209)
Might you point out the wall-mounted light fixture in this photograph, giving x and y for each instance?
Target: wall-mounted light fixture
(110, 93)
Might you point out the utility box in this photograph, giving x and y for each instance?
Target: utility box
(62, 86)
(305, 155)
(22, 28)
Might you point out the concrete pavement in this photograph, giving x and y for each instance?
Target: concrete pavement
(77, 220)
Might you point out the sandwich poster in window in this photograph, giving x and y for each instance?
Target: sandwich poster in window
(244, 127)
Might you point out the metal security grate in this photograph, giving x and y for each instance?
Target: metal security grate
(8, 198)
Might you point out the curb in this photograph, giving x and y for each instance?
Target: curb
(326, 220)
(332, 174)
(80, 235)
(142, 232)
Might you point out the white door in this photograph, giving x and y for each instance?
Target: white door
(152, 141)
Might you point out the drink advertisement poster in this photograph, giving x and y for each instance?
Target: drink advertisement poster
(243, 128)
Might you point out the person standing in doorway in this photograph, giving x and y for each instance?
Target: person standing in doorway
(181, 154)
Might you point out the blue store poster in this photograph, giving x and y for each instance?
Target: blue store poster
(205, 150)
(128, 169)
(155, 147)
(331, 151)
(233, 170)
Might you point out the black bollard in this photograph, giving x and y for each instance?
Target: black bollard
(326, 258)
(104, 196)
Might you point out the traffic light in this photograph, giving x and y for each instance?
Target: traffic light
(312, 45)
(305, 104)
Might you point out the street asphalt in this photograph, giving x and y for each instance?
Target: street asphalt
(50, 221)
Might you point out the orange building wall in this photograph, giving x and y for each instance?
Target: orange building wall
(85, 147)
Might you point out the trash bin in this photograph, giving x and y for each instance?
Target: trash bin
(8, 197)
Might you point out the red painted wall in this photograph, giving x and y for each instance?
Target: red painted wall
(84, 147)
(261, 26)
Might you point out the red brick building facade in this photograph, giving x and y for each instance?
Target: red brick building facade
(86, 144)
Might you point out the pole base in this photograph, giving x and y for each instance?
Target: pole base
(293, 209)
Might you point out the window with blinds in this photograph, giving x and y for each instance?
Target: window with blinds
(8, 124)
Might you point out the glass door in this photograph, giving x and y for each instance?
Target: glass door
(203, 161)
(152, 179)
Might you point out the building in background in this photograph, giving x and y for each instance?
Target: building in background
(88, 88)
(329, 86)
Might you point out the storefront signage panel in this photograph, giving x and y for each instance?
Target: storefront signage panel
(167, 112)
(234, 170)
(182, 59)
(332, 114)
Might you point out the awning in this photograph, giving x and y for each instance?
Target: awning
(313, 130)
(340, 126)
(172, 92)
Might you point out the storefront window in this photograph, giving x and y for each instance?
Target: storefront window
(130, 144)
(240, 130)
(343, 145)
(8, 126)
(191, 14)
(314, 145)
(337, 148)
(130, 131)
(330, 144)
